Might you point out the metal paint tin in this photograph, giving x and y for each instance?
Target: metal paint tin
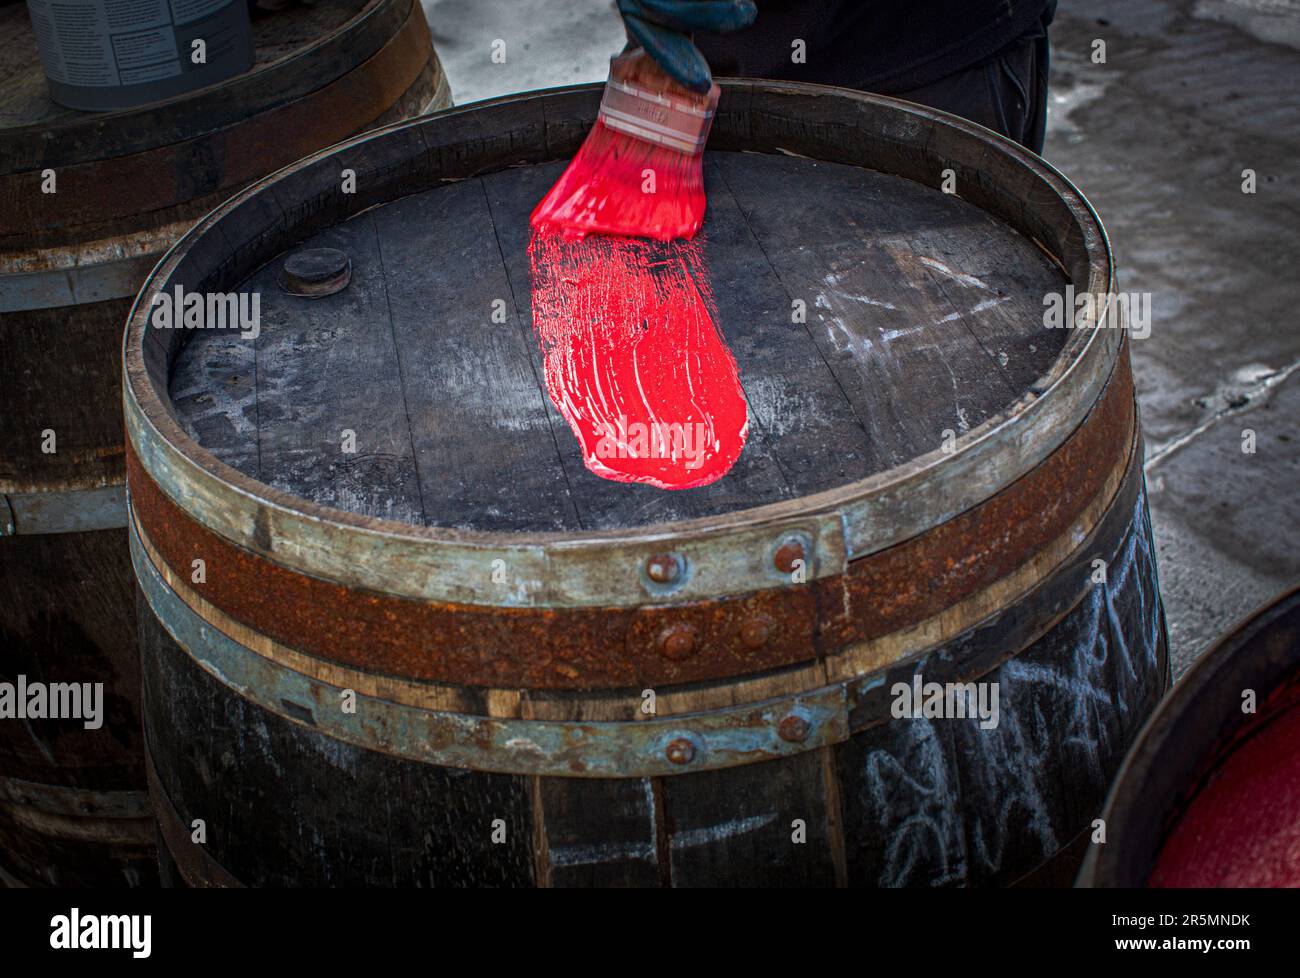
(103, 55)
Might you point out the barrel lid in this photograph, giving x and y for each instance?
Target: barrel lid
(868, 162)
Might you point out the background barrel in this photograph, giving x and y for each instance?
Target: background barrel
(1186, 746)
(393, 631)
(88, 203)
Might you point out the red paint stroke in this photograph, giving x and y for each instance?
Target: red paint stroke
(1243, 827)
(633, 359)
(604, 190)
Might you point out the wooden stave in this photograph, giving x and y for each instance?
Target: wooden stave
(87, 426)
(1183, 738)
(1073, 802)
(593, 569)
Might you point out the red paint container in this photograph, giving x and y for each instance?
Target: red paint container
(1209, 795)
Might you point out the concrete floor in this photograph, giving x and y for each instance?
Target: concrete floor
(547, 43)
(1192, 92)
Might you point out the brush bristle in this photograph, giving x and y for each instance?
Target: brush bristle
(618, 184)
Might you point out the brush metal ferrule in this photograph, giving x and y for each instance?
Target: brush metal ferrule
(658, 118)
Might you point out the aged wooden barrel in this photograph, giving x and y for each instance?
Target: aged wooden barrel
(1209, 794)
(122, 187)
(453, 655)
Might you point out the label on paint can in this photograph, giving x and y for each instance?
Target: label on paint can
(112, 54)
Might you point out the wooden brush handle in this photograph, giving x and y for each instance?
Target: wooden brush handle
(642, 101)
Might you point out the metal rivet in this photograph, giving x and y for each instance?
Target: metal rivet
(680, 751)
(754, 633)
(677, 642)
(663, 568)
(316, 272)
(794, 729)
(787, 553)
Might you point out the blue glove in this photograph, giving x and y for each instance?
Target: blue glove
(663, 28)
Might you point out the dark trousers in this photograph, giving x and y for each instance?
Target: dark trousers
(1007, 93)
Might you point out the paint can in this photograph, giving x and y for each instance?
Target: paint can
(103, 55)
(1209, 794)
(423, 645)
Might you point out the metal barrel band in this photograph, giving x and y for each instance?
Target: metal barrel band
(197, 868)
(1056, 578)
(110, 818)
(513, 746)
(67, 511)
(475, 644)
(616, 648)
(663, 746)
(58, 287)
(64, 800)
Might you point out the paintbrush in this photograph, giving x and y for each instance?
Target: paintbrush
(640, 172)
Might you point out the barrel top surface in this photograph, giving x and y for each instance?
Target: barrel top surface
(924, 316)
(25, 104)
(922, 383)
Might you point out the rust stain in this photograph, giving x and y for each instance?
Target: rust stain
(581, 648)
(919, 578)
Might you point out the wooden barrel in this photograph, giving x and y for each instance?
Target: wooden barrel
(88, 203)
(1215, 740)
(453, 655)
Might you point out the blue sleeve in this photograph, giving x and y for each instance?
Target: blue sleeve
(663, 28)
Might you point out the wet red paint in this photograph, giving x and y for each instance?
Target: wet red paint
(1243, 827)
(618, 185)
(634, 361)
